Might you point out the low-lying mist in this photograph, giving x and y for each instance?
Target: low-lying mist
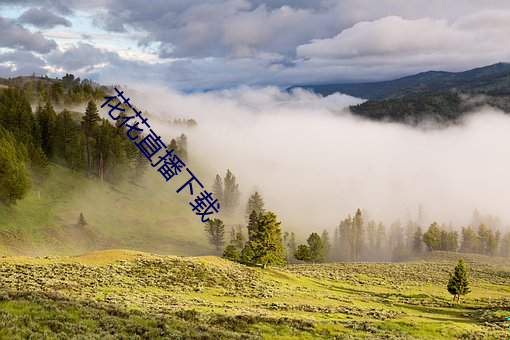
(315, 163)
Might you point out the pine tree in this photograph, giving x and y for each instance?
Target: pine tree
(345, 231)
(253, 224)
(326, 243)
(14, 175)
(215, 230)
(432, 237)
(458, 283)
(470, 242)
(266, 241)
(316, 247)
(89, 121)
(382, 243)
(217, 190)
(357, 234)
(237, 237)
(505, 245)
(231, 253)
(255, 203)
(66, 136)
(46, 117)
(418, 241)
(182, 147)
(289, 239)
(230, 193)
(371, 238)
(81, 221)
(336, 245)
(247, 254)
(173, 146)
(303, 253)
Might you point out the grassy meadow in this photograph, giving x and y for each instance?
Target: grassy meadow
(136, 295)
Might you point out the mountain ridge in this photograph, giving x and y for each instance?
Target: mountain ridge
(485, 79)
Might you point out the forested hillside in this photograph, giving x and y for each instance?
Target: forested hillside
(443, 97)
(71, 181)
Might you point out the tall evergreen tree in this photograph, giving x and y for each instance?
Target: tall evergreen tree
(381, 246)
(66, 138)
(14, 175)
(469, 241)
(232, 253)
(182, 147)
(89, 122)
(230, 193)
(255, 203)
(418, 241)
(505, 245)
(289, 240)
(357, 233)
(345, 231)
(247, 254)
(266, 241)
(173, 146)
(396, 236)
(371, 238)
(336, 245)
(215, 230)
(303, 253)
(326, 243)
(46, 117)
(458, 283)
(487, 240)
(432, 237)
(316, 247)
(253, 224)
(16, 114)
(237, 237)
(217, 190)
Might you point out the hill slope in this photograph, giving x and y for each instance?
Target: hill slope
(140, 295)
(493, 78)
(145, 216)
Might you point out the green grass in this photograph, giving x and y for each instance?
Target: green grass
(139, 295)
(147, 216)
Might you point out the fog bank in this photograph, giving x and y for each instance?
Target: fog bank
(315, 163)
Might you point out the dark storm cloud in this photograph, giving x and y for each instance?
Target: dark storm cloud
(42, 18)
(16, 36)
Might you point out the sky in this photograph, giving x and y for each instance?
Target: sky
(225, 62)
(194, 45)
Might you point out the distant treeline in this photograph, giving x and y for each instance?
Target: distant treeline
(356, 240)
(68, 90)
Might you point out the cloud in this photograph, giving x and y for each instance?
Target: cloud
(60, 6)
(15, 36)
(42, 18)
(80, 56)
(387, 36)
(470, 41)
(218, 44)
(232, 42)
(232, 27)
(21, 62)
